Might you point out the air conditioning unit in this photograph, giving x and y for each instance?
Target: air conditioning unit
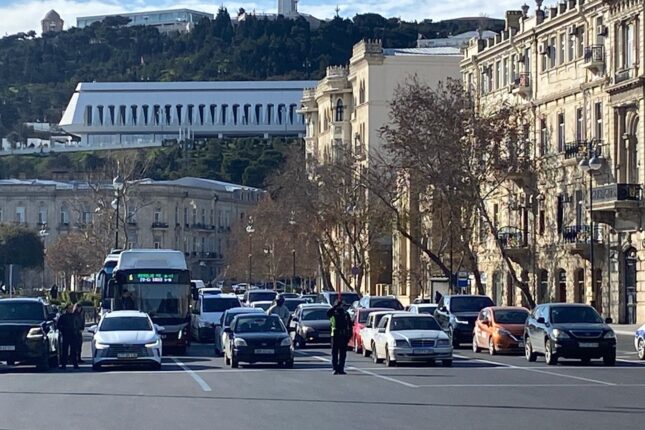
(572, 30)
(544, 48)
(602, 30)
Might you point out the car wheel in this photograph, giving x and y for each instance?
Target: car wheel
(609, 359)
(365, 352)
(11, 363)
(300, 342)
(43, 363)
(53, 361)
(641, 349)
(388, 360)
(446, 363)
(289, 364)
(234, 363)
(528, 351)
(375, 358)
(549, 356)
(156, 366)
(491, 346)
(476, 347)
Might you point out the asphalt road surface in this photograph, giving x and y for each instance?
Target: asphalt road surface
(199, 392)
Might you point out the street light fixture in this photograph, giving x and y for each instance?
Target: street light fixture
(117, 183)
(590, 164)
(250, 230)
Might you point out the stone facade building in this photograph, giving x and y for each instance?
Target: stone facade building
(575, 67)
(52, 22)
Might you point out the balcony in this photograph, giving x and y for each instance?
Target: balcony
(522, 85)
(595, 58)
(577, 238)
(618, 205)
(203, 226)
(159, 225)
(514, 242)
(575, 150)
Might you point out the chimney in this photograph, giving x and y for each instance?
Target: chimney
(513, 18)
(563, 6)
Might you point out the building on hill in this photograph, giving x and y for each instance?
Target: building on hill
(286, 9)
(166, 21)
(347, 109)
(457, 41)
(189, 214)
(140, 114)
(52, 22)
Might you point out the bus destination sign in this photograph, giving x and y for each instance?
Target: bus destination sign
(153, 278)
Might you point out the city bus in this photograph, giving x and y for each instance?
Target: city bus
(157, 282)
(104, 275)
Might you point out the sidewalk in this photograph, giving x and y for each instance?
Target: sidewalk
(625, 329)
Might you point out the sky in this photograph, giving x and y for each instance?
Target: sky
(25, 15)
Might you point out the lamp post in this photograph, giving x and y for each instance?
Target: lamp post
(250, 230)
(292, 223)
(591, 163)
(43, 233)
(117, 184)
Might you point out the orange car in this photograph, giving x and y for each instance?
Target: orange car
(500, 329)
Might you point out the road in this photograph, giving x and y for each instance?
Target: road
(199, 392)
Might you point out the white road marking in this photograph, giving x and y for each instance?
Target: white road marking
(193, 375)
(367, 372)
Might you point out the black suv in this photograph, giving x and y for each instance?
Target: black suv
(457, 315)
(28, 333)
(563, 330)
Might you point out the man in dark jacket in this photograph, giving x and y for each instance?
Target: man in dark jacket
(68, 328)
(341, 329)
(79, 314)
(127, 302)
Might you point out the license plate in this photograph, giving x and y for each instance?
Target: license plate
(127, 355)
(264, 351)
(7, 348)
(588, 345)
(421, 351)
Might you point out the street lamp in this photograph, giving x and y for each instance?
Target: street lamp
(117, 183)
(590, 164)
(292, 223)
(250, 230)
(43, 233)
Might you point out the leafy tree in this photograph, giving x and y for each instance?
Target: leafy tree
(20, 246)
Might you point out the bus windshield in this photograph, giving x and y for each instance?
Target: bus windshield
(158, 301)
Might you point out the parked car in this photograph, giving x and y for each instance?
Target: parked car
(639, 342)
(28, 333)
(423, 308)
(263, 304)
(457, 315)
(310, 324)
(360, 319)
(411, 338)
(258, 338)
(258, 295)
(500, 329)
(330, 298)
(387, 302)
(368, 332)
(207, 311)
(221, 336)
(126, 338)
(309, 298)
(564, 330)
(212, 291)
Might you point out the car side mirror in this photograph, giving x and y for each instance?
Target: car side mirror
(541, 320)
(609, 320)
(93, 329)
(381, 330)
(160, 329)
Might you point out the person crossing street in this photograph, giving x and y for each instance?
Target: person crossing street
(341, 328)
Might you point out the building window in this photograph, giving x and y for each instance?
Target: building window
(42, 215)
(580, 39)
(627, 46)
(20, 215)
(505, 71)
(64, 215)
(561, 130)
(579, 125)
(498, 74)
(598, 120)
(571, 47)
(157, 244)
(130, 245)
(552, 53)
(186, 216)
(194, 215)
(157, 215)
(361, 92)
(339, 110)
(562, 46)
(495, 215)
(204, 216)
(544, 137)
(88, 115)
(541, 222)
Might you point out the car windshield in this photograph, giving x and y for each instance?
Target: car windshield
(387, 303)
(292, 304)
(220, 304)
(469, 304)
(261, 296)
(363, 316)
(511, 317)
(314, 314)
(408, 323)
(574, 314)
(125, 324)
(259, 324)
(14, 311)
(377, 319)
(229, 317)
(426, 309)
(348, 298)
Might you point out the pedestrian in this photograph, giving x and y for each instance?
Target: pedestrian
(68, 328)
(79, 315)
(341, 328)
(437, 296)
(280, 310)
(53, 292)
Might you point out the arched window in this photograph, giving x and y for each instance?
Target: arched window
(339, 110)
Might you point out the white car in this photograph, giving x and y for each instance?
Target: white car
(126, 337)
(639, 342)
(411, 338)
(263, 304)
(423, 308)
(207, 312)
(368, 332)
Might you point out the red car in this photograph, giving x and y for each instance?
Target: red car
(360, 318)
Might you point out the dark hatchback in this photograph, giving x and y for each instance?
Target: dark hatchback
(28, 333)
(457, 314)
(311, 325)
(562, 330)
(258, 339)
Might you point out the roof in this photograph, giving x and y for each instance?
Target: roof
(151, 259)
(117, 314)
(147, 12)
(208, 184)
(436, 51)
(23, 299)
(52, 15)
(244, 310)
(184, 86)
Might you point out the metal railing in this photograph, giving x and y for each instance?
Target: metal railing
(617, 192)
(574, 149)
(523, 80)
(159, 225)
(512, 238)
(594, 54)
(580, 233)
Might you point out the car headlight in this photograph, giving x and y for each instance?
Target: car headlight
(99, 345)
(239, 342)
(285, 342)
(35, 333)
(155, 344)
(502, 332)
(559, 334)
(401, 343)
(443, 342)
(458, 321)
(610, 335)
